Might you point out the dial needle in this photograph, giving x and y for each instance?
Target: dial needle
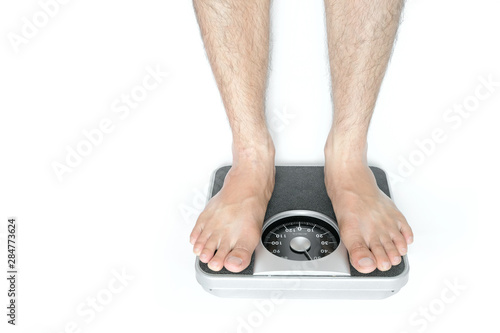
(307, 255)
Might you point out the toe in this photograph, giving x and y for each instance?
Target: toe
(406, 231)
(200, 242)
(209, 249)
(361, 257)
(239, 257)
(383, 262)
(195, 234)
(217, 261)
(197, 230)
(400, 243)
(391, 251)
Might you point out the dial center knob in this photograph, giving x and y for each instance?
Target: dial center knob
(300, 244)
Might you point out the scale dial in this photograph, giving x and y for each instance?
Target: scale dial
(300, 238)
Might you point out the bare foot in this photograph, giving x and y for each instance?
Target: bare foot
(232, 220)
(373, 230)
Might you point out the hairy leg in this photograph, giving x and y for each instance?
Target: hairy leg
(236, 38)
(361, 34)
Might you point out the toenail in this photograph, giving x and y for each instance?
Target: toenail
(234, 261)
(213, 265)
(404, 250)
(397, 259)
(365, 262)
(410, 239)
(386, 265)
(203, 256)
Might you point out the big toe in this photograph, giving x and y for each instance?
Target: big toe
(238, 259)
(362, 259)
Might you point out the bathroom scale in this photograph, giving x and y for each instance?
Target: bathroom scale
(300, 253)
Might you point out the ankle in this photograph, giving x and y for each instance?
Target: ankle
(258, 150)
(345, 162)
(254, 163)
(344, 152)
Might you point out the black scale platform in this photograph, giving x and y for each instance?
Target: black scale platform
(301, 187)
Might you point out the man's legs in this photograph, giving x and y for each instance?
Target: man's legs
(236, 37)
(360, 38)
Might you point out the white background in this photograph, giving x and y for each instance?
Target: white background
(131, 203)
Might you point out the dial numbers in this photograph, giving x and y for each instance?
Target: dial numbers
(300, 238)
